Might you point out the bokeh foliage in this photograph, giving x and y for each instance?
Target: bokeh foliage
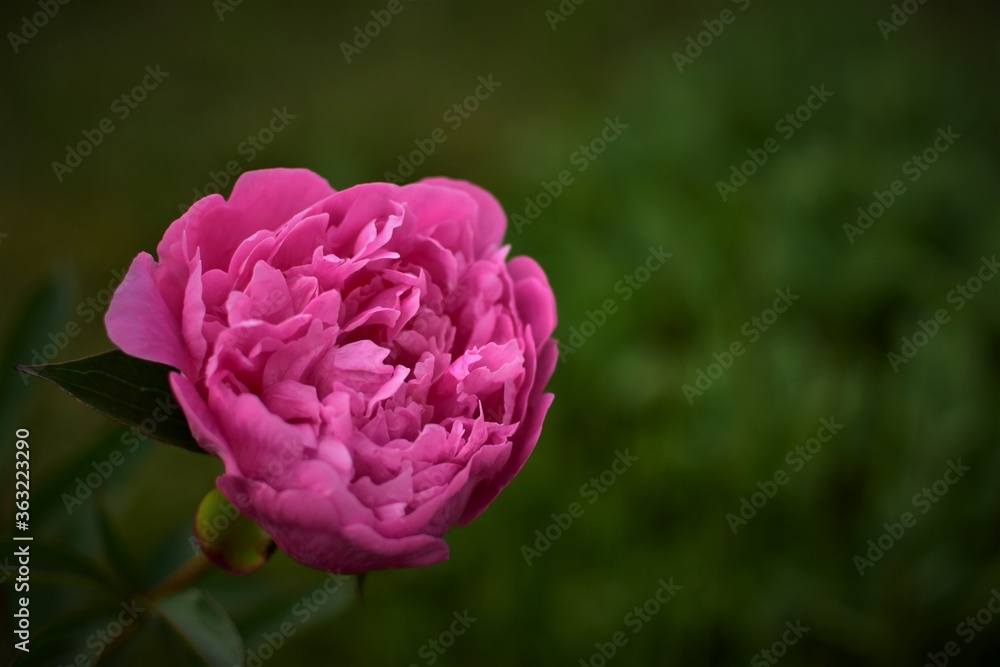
(655, 185)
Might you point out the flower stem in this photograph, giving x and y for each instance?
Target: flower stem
(178, 580)
(182, 577)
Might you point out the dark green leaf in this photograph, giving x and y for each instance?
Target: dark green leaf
(117, 553)
(62, 640)
(131, 391)
(53, 559)
(45, 312)
(66, 488)
(205, 626)
(264, 606)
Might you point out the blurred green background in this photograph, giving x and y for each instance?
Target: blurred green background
(654, 185)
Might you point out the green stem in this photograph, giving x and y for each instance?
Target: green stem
(178, 580)
(182, 577)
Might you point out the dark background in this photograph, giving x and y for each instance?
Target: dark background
(655, 185)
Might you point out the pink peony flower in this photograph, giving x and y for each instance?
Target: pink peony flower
(367, 364)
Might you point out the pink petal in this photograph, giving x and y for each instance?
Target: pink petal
(139, 322)
(269, 197)
(201, 421)
(491, 222)
(536, 304)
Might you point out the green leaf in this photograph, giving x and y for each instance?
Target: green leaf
(230, 540)
(62, 486)
(115, 550)
(63, 639)
(264, 606)
(54, 559)
(205, 626)
(45, 312)
(131, 391)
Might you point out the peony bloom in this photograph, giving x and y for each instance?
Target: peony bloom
(367, 364)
